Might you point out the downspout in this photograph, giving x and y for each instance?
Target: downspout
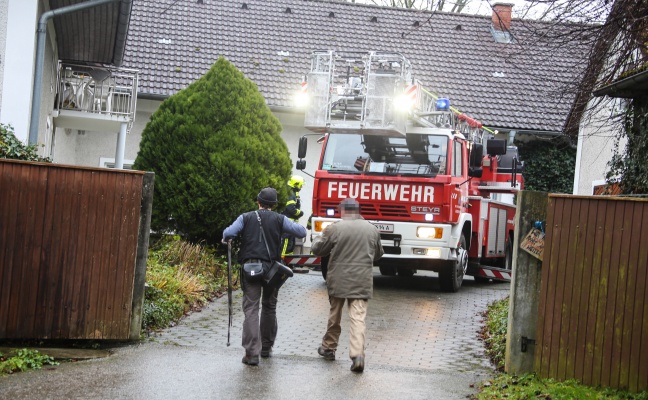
(40, 58)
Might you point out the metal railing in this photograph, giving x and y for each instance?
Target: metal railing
(100, 90)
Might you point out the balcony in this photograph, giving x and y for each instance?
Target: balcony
(95, 98)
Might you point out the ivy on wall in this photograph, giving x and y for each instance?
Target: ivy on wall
(548, 166)
(12, 148)
(629, 166)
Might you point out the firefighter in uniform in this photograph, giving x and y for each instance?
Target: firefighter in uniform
(292, 211)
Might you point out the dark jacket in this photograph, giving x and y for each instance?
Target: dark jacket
(274, 226)
(293, 206)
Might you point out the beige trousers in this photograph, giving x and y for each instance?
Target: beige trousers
(357, 315)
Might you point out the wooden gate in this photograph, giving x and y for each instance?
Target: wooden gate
(593, 312)
(73, 245)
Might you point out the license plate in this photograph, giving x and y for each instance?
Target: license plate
(385, 227)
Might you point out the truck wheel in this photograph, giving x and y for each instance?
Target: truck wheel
(451, 278)
(387, 270)
(405, 272)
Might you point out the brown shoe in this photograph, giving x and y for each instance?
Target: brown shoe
(326, 353)
(358, 364)
(250, 360)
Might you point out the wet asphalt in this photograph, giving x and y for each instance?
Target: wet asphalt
(413, 352)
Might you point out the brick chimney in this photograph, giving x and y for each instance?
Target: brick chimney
(501, 17)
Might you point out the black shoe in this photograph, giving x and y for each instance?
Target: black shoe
(327, 354)
(358, 364)
(250, 360)
(266, 352)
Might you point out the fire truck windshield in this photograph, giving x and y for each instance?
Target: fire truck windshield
(413, 154)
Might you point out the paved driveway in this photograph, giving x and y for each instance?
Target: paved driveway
(410, 323)
(421, 344)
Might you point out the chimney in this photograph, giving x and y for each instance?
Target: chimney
(501, 17)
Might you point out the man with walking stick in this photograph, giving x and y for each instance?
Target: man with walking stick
(261, 232)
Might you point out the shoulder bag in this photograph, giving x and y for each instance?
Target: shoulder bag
(275, 274)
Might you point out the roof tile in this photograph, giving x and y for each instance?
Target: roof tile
(459, 64)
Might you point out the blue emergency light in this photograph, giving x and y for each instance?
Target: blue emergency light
(443, 104)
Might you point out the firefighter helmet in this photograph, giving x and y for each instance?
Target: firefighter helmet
(296, 182)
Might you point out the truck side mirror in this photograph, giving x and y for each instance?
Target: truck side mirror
(496, 147)
(303, 144)
(475, 172)
(476, 155)
(300, 164)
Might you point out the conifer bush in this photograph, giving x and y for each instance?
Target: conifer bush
(212, 147)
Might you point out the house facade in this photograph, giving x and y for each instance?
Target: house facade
(66, 76)
(493, 68)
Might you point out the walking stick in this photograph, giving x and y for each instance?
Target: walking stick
(229, 288)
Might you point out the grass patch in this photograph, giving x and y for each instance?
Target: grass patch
(529, 386)
(25, 359)
(180, 277)
(494, 332)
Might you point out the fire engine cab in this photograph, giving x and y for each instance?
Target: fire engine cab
(423, 173)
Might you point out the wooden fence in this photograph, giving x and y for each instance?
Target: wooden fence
(593, 311)
(73, 245)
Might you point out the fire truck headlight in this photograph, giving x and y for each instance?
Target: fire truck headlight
(426, 232)
(321, 225)
(330, 212)
(301, 100)
(403, 103)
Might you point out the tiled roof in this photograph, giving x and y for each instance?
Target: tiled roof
(513, 86)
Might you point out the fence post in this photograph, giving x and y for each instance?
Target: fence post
(142, 253)
(525, 286)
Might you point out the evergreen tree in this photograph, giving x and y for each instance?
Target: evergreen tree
(212, 147)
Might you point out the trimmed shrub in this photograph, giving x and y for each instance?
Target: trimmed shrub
(212, 147)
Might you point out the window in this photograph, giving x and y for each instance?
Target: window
(457, 159)
(413, 154)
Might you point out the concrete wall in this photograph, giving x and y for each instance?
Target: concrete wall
(596, 145)
(525, 285)
(88, 148)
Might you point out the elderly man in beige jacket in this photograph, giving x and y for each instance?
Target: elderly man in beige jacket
(353, 245)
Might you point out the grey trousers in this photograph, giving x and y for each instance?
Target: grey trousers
(257, 334)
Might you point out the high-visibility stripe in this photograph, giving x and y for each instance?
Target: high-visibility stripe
(494, 274)
(301, 260)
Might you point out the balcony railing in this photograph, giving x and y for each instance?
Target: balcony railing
(106, 91)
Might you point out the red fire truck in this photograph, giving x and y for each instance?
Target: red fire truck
(424, 174)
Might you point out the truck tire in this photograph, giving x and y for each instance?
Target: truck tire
(387, 270)
(451, 278)
(405, 272)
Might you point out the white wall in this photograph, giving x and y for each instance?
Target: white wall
(293, 129)
(596, 145)
(22, 18)
(4, 10)
(86, 148)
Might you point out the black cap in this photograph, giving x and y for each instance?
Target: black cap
(349, 204)
(268, 196)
